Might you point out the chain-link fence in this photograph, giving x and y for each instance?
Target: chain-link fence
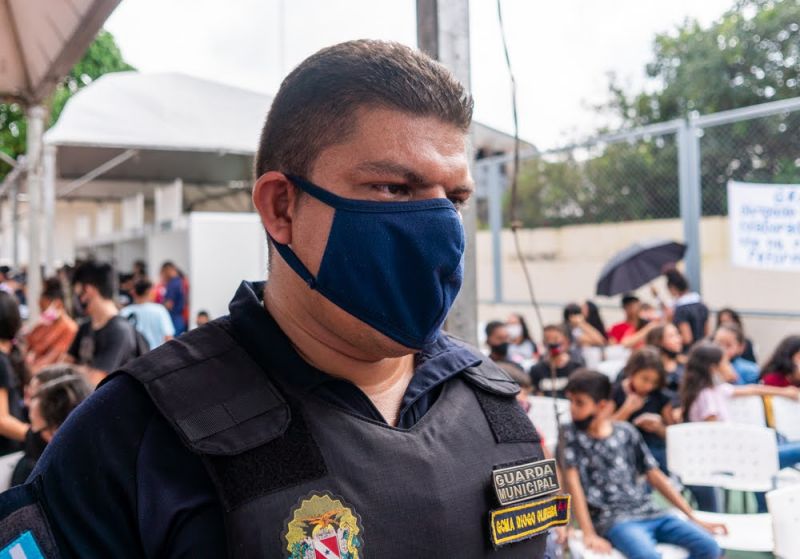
(759, 150)
(581, 204)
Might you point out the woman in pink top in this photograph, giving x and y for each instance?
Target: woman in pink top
(783, 367)
(705, 398)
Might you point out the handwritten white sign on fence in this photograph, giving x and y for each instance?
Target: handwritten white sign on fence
(765, 225)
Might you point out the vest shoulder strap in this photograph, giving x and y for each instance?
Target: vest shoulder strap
(218, 400)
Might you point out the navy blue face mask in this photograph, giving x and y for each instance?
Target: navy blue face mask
(397, 266)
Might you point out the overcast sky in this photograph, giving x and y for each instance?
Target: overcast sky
(562, 51)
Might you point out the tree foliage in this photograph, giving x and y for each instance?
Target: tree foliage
(750, 55)
(102, 57)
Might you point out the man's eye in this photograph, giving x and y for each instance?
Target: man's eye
(393, 189)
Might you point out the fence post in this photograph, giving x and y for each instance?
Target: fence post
(689, 174)
(494, 176)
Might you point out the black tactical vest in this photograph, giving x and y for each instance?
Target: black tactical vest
(300, 478)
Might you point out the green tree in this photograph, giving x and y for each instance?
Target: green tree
(102, 57)
(750, 55)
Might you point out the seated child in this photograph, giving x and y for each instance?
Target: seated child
(640, 398)
(604, 463)
(55, 392)
(705, 397)
(730, 338)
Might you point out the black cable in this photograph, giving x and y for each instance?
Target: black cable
(516, 224)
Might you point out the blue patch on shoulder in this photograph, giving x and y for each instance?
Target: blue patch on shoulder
(24, 547)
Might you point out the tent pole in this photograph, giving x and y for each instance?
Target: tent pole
(49, 207)
(36, 116)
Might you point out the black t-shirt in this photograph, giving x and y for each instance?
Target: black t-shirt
(106, 349)
(9, 381)
(543, 382)
(695, 314)
(654, 403)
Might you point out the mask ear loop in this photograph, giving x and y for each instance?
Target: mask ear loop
(294, 262)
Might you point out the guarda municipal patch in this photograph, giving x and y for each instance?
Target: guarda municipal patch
(520, 522)
(323, 526)
(523, 482)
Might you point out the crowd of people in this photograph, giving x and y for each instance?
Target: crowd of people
(91, 322)
(665, 363)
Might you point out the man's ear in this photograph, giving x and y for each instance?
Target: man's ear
(274, 198)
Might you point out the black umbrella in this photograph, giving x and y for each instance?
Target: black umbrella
(637, 265)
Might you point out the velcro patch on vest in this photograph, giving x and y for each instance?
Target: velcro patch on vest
(323, 526)
(523, 482)
(520, 522)
(24, 547)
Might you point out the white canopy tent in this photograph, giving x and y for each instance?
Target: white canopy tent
(129, 126)
(40, 40)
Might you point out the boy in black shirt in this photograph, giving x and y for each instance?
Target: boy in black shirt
(556, 345)
(603, 463)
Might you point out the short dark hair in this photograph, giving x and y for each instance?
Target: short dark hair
(203, 313)
(141, 287)
(629, 298)
(316, 103)
(99, 275)
(677, 280)
(646, 358)
(591, 383)
(492, 326)
(52, 290)
(59, 396)
(10, 321)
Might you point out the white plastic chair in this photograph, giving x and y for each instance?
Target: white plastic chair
(730, 456)
(611, 368)
(784, 506)
(577, 550)
(787, 417)
(7, 465)
(544, 418)
(726, 455)
(746, 532)
(747, 410)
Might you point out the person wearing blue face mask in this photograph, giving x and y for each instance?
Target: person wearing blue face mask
(327, 415)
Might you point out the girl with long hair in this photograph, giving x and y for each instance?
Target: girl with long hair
(783, 366)
(705, 396)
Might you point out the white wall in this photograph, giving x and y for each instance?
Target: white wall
(167, 245)
(224, 249)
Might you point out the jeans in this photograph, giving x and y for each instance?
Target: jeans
(706, 497)
(636, 539)
(788, 456)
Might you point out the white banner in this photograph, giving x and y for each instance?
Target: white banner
(765, 225)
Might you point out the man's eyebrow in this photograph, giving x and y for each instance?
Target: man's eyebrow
(384, 167)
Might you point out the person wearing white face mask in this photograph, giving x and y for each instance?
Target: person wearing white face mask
(50, 339)
(521, 347)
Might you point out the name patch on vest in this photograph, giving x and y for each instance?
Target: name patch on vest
(525, 481)
(520, 522)
(323, 526)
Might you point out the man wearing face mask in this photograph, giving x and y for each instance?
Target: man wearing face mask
(327, 416)
(105, 341)
(498, 340)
